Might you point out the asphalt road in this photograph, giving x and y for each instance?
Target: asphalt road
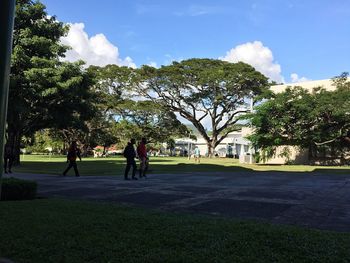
(304, 199)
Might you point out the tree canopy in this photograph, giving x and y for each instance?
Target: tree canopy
(306, 119)
(201, 90)
(105, 105)
(44, 91)
(150, 120)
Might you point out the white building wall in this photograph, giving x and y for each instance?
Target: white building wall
(308, 85)
(298, 156)
(235, 139)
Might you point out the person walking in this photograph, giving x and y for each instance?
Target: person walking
(73, 153)
(130, 154)
(197, 155)
(142, 153)
(8, 158)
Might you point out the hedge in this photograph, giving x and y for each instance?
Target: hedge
(18, 189)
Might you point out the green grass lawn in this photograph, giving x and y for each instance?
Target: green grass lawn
(71, 231)
(115, 166)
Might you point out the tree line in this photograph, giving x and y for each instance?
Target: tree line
(318, 121)
(110, 104)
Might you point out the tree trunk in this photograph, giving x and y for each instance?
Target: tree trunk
(210, 149)
(312, 156)
(14, 140)
(64, 151)
(85, 150)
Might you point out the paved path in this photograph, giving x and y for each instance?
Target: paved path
(311, 200)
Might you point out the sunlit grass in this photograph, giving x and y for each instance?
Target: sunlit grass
(115, 166)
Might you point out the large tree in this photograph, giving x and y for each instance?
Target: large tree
(44, 92)
(136, 118)
(203, 89)
(312, 120)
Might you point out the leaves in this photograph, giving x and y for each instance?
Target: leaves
(44, 91)
(299, 118)
(203, 88)
(150, 120)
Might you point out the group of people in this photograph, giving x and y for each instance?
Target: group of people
(129, 153)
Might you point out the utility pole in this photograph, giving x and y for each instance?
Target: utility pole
(7, 13)
(251, 126)
(188, 146)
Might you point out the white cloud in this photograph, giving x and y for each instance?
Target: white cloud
(258, 56)
(95, 50)
(295, 78)
(199, 10)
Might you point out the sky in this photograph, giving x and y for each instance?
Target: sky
(287, 40)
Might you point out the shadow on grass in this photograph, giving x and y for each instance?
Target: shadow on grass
(116, 166)
(202, 167)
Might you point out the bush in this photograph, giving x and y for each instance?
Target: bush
(17, 189)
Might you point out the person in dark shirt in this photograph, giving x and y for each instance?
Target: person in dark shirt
(8, 158)
(130, 154)
(73, 154)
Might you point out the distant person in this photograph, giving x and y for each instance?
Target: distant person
(130, 154)
(8, 158)
(197, 155)
(73, 153)
(185, 153)
(142, 153)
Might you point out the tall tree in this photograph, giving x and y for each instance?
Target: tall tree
(136, 118)
(111, 82)
(44, 92)
(309, 120)
(203, 89)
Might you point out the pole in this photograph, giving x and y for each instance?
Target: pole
(7, 13)
(188, 150)
(250, 146)
(189, 144)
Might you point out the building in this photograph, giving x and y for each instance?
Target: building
(296, 155)
(241, 146)
(234, 144)
(308, 85)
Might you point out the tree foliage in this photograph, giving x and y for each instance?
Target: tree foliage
(44, 91)
(136, 118)
(150, 120)
(112, 83)
(306, 119)
(201, 90)
(43, 141)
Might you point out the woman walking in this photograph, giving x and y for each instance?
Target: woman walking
(72, 155)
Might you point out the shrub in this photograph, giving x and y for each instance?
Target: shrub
(18, 189)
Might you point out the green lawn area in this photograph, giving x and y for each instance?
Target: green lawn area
(71, 231)
(115, 166)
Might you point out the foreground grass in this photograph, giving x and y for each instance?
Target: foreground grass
(115, 166)
(66, 231)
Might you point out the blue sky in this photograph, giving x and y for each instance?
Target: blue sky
(310, 39)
